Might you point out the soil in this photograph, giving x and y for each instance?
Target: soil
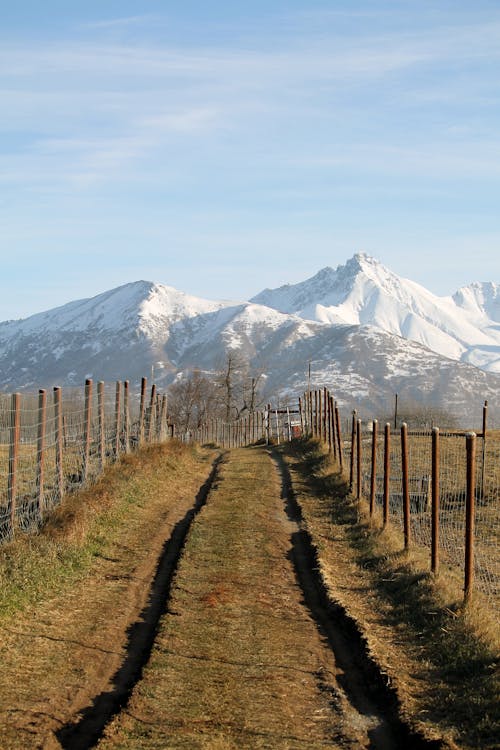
(206, 626)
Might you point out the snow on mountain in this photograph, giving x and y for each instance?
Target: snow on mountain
(364, 292)
(366, 332)
(480, 300)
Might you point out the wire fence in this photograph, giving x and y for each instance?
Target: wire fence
(440, 489)
(53, 443)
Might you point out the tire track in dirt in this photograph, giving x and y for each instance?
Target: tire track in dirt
(86, 732)
(360, 679)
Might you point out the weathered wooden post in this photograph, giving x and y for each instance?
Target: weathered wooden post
(102, 425)
(14, 437)
(373, 478)
(163, 419)
(151, 415)
(483, 463)
(359, 458)
(118, 426)
(406, 485)
(126, 416)
(470, 512)
(58, 439)
(87, 429)
(142, 408)
(353, 449)
(387, 472)
(40, 449)
(435, 501)
(339, 437)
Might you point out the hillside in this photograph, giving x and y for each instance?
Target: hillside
(366, 332)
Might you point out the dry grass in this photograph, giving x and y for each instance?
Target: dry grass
(69, 594)
(441, 658)
(237, 663)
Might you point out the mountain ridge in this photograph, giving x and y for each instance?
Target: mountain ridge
(367, 333)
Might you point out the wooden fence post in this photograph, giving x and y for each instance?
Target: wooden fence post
(435, 501)
(406, 485)
(163, 419)
(126, 415)
(142, 408)
(359, 458)
(470, 515)
(58, 439)
(151, 415)
(373, 478)
(339, 437)
(387, 472)
(14, 436)
(353, 449)
(483, 463)
(40, 449)
(118, 411)
(333, 435)
(102, 425)
(87, 429)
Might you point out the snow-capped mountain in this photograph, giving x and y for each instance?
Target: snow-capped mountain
(366, 332)
(364, 292)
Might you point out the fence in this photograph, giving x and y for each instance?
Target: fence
(272, 424)
(440, 488)
(51, 444)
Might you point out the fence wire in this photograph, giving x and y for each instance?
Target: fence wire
(358, 442)
(49, 448)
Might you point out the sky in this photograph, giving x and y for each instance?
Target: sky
(222, 147)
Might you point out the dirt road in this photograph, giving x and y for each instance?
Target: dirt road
(230, 644)
(241, 658)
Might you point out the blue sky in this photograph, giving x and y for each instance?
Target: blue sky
(221, 147)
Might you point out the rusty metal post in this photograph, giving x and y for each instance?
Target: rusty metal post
(406, 485)
(118, 411)
(353, 448)
(102, 425)
(470, 512)
(40, 449)
(87, 429)
(435, 502)
(126, 416)
(14, 437)
(58, 439)
(373, 478)
(359, 458)
(142, 408)
(339, 437)
(387, 472)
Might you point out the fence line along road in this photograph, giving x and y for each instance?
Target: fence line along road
(53, 443)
